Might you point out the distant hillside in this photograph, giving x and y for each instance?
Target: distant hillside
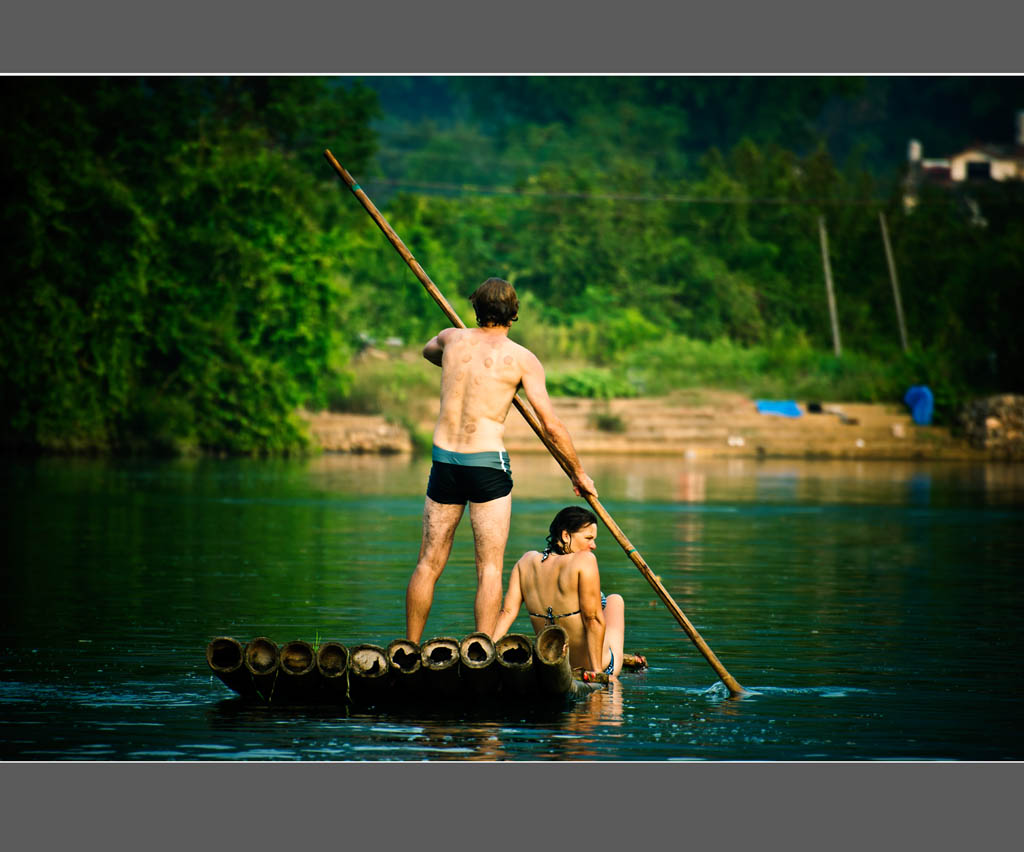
(868, 119)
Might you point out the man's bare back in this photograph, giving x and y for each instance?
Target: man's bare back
(481, 371)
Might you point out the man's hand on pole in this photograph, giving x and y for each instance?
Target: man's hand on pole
(584, 485)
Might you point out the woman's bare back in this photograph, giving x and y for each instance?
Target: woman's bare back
(554, 583)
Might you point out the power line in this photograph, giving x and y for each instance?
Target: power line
(476, 189)
(497, 161)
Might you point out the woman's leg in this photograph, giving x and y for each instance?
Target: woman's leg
(614, 630)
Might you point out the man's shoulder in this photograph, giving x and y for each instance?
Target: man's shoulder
(523, 354)
(446, 335)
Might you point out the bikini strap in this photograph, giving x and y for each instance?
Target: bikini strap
(550, 615)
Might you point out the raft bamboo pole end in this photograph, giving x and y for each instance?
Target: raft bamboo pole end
(225, 657)
(224, 654)
(477, 663)
(368, 661)
(299, 678)
(405, 666)
(262, 660)
(332, 660)
(367, 673)
(552, 652)
(440, 660)
(514, 652)
(262, 656)
(405, 657)
(297, 658)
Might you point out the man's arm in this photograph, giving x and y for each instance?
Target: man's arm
(554, 429)
(434, 350)
(510, 607)
(589, 587)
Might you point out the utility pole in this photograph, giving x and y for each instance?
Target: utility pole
(828, 286)
(894, 279)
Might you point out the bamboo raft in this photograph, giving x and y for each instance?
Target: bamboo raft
(515, 668)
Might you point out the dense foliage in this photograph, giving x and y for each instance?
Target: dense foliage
(184, 271)
(171, 280)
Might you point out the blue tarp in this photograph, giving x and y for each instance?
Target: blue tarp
(780, 407)
(920, 401)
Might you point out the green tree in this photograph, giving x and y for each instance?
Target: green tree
(174, 286)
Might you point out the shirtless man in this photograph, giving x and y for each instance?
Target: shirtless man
(481, 370)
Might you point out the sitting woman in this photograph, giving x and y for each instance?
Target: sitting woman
(562, 586)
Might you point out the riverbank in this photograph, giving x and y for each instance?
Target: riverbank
(694, 424)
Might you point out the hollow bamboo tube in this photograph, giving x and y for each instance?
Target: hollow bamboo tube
(440, 661)
(552, 654)
(405, 666)
(332, 663)
(477, 664)
(367, 673)
(224, 656)
(298, 679)
(515, 664)
(263, 661)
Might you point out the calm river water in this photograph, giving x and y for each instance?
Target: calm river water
(872, 609)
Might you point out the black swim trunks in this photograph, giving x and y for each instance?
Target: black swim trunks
(456, 478)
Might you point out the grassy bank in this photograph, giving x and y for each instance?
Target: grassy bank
(588, 364)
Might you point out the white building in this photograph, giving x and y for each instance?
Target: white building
(981, 161)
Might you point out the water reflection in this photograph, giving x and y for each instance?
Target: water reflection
(571, 729)
(689, 529)
(841, 589)
(676, 479)
(474, 740)
(919, 488)
(603, 707)
(691, 486)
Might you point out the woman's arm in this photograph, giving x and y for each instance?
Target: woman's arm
(510, 607)
(589, 587)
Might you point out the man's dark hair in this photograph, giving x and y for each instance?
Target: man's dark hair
(570, 519)
(495, 303)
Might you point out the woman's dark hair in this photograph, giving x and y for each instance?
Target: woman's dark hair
(495, 303)
(571, 519)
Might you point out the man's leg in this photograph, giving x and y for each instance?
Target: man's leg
(490, 522)
(439, 523)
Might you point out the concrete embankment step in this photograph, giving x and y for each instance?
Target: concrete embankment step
(698, 424)
(714, 423)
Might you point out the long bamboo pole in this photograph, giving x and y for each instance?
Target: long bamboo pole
(733, 685)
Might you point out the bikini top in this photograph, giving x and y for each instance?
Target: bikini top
(550, 616)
